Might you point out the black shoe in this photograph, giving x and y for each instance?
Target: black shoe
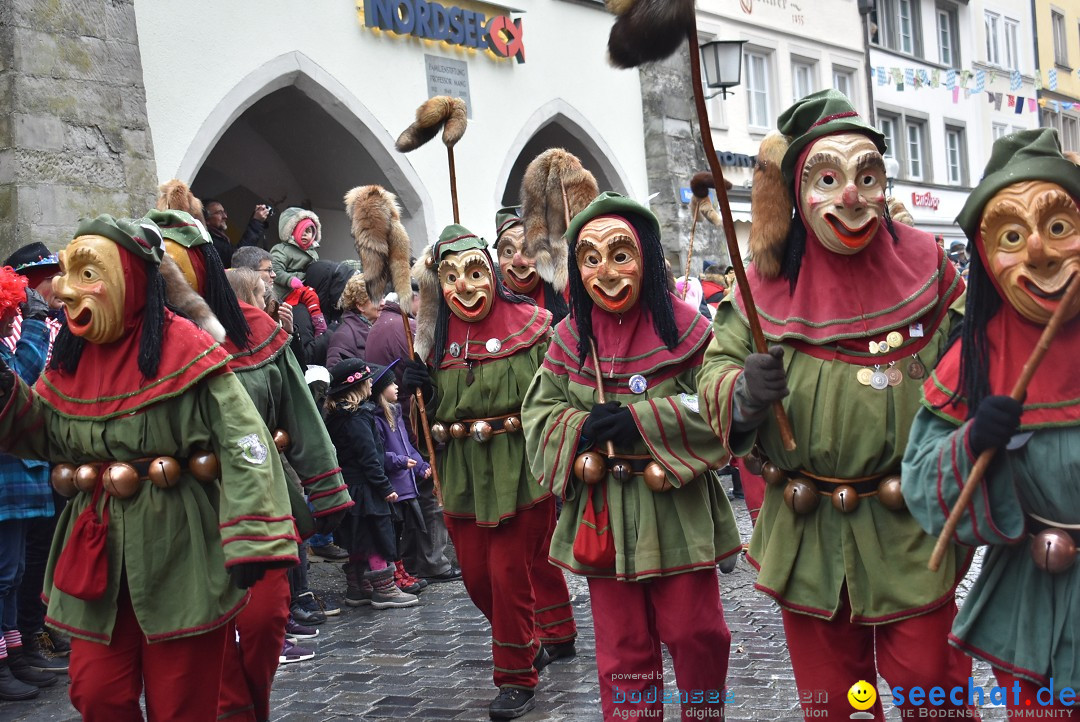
(306, 617)
(42, 662)
(19, 664)
(11, 689)
(542, 659)
(452, 574)
(50, 643)
(562, 650)
(512, 702)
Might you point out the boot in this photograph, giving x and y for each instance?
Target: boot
(22, 671)
(386, 594)
(512, 702)
(12, 689)
(357, 591)
(407, 582)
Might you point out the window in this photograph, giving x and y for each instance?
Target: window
(905, 25)
(916, 149)
(1061, 52)
(1012, 44)
(802, 79)
(955, 154)
(844, 81)
(993, 43)
(1070, 133)
(757, 89)
(999, 130)
(887, 125)
(948, 47)
(897, 24)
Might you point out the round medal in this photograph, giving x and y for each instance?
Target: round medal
(455, 349)
(894, 339)
(879, 380)
(916, 370)
(493, 345)
(894, 375)
(863, 375)
(883, 347)
(638, 384)
(873, 347)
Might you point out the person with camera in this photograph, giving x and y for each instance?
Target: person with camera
(217, 222)
(255, 233)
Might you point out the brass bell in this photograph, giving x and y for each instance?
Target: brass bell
(800, 496)
(656, 478)
(439, 432)
(86, 477)
(164, 472)
(121, 480)
(282, 440)
(753, 464)
(1053, 550)
(621, 471)
(845, 499)
(512, 425)
(888, 493)
(204, 466)
(62, 478)
(772, 473)
(482, 432)
(590, 467)
(458, 430)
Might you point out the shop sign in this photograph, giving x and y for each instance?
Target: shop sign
(453, 25)
(737, 160)
(925, 200)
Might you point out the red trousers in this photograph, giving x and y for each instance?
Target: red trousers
(251, 661)
(554, 615)
(497, 568)
(1028, 698)
(828, 657)
(631, 619)
(753, 489)
(181, 675)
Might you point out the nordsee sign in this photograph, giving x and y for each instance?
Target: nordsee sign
(450, 24)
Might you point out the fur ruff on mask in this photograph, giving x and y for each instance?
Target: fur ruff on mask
(174, 195)
(426, 275)
(185, 300)
(381, 241)
(648, 30)
(771, 204)
(442, 111)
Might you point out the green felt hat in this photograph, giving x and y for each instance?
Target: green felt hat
(1028, 155)
(140, 236)
(819, 114)
(609, 203)
(180, 227)
(454, 239)
(505, 219)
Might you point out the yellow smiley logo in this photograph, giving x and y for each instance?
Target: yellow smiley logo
(862, 695)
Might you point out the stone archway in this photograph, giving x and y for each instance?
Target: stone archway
(557, 124)
(291, 134)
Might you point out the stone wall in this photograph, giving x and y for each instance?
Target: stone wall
(74, 137)
(673, 154)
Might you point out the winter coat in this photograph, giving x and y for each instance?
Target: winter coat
(397, 450)
(328, 279)
(289, 261)
(360, 454)
(349, 340)
(386, 342)
(24, 485)
(223, 246)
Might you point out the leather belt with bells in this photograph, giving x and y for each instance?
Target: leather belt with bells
(1053, 544)
(480, 430)
(803, 490)
(593, 466)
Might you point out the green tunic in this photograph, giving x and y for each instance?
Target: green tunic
(1015, 616)
(843, 430)
(171, 545)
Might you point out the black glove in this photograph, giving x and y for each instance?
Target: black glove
(245, 574)
(996, 420)
(416, 376)
(328, 523)
(618, 427)
(762, 382)
(599, 413)
(34, 307)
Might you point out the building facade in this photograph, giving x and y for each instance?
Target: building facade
(1057, 33)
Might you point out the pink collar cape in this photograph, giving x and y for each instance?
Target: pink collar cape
(630, 347)
(841, 302)
(515, 326)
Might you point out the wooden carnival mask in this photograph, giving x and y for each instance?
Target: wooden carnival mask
(518, 271)
(91, 287)
(1031, 236)
(180, 254)
(468, 284)
(610, 261)
(842, 191)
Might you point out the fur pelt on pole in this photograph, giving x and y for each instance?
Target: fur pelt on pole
(700, 204)
(174, 195)
(184, 299)
(771, 207)
(899, 212)
(381, 241)
(544, 212)
(647, 30)
(426, 275)
(442, 111)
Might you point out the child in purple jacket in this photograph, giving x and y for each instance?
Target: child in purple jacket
(402, 463)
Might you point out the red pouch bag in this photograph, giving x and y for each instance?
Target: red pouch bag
(82, 570)
(594, 545)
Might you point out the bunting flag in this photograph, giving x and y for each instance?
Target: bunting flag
(965, 76)
(1031, 105)
(882, 78)
(950, 80)
(1019, 104)
(956, 94)
(909, 76)
(1012, 101)
(1052, 78)
(1017, 81)
(997, 100)
(935, 78)
(1038, 81)
(980, 80)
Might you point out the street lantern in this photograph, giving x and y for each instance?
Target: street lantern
(892, 169)
(722, 60)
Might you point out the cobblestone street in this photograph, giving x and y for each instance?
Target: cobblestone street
(432, 662)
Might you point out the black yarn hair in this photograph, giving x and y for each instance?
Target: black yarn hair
(555, 302)
(68, 348)
(221, 298)
(654, 289)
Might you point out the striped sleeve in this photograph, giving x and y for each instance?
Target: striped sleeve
(721, 367)
(552, 429)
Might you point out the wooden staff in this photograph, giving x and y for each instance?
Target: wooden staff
(987, 455)
(729, 226)
(453, 182)
(689, 254)
(428, 441)
(600, 395)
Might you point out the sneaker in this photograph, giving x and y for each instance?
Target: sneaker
(51, 643)
(511, 702)
(452, 574)
(330, 552)
(305, 615)
(314, 604)
(291, 653)
(408, 583)
(299, 631)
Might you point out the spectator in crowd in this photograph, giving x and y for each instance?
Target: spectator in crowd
(358, 313)
(258, 260)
